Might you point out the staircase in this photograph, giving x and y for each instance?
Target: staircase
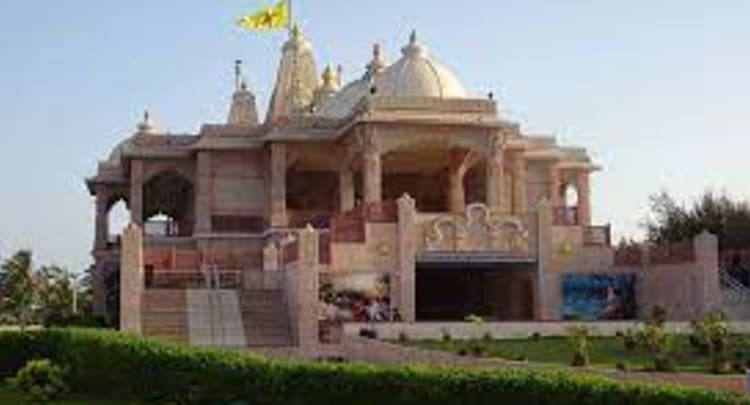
(265, 318)
(214, 318)
(164, 315)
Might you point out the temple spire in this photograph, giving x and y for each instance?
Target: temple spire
(296, 80)
(242, 111)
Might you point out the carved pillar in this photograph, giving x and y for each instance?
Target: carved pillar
(131, 279)
(519, 183)
(346, 190)
(101, 222)
(584, 197)
(456, 192)
(277, 194)
(555, 183)
(706, 247)
(136, 192)
(308, 290)
(495, 173)
(203, 193)
(371, 170)
(547, 295)
(404, 286)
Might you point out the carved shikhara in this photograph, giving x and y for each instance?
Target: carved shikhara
(477, 230)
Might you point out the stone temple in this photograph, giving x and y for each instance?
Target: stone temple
(397, 197)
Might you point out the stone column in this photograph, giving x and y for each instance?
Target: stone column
(404, 283)
(131, 279)
(99, 291)
(136, 192)
(555, 182)
(706, 247)
(277, 194)
(372, 172)
(547, 294)
(495, 173)
(203, 193)
(102, 221)
(519, 183)
(346, 190)
(456, 192)
(307, 316)
(584, 198)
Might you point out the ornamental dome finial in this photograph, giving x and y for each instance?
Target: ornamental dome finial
(146, 126)
(376, 64)
(414, 48)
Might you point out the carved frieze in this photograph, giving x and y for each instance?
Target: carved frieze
(476, 230)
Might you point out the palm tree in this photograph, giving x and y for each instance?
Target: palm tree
(18, 288)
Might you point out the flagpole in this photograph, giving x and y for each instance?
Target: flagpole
(290, 22)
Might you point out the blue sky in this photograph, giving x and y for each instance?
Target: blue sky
(658, 91)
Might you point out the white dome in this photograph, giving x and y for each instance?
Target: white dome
(416, 74)
(343, 102)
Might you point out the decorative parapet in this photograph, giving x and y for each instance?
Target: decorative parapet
(479, 229)
(641, 255)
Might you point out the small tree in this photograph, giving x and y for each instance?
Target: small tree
(579, 338)
(18, 287)
(56, 286)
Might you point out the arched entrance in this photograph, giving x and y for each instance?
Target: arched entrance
(168, 205)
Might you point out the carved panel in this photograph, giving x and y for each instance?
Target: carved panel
(476, 230)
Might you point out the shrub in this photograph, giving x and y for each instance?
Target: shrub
(487, 337)
(41, 380)
(403, 337)
(622, 366)
(629, 338)
(579, 338)
(109, 364)
(536, 336)
(658, 315)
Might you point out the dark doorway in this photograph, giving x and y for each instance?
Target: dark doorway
(450, 291)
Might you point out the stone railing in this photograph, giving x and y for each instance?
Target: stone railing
(628, 255)
(672, 253)
(350, 226)
(668, 253)
(179, 279)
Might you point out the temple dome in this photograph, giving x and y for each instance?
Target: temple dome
(417, 74)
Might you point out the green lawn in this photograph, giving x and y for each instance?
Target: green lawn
(604, 351)
(8, 396)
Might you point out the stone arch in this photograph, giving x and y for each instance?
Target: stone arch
(169, 196)
(118, 215)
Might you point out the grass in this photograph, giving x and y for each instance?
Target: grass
(604, 352)
(8, 396)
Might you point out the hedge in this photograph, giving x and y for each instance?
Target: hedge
(116, 365)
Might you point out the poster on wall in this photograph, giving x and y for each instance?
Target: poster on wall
(598, 296)
(357, 298)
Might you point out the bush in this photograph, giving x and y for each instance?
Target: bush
(629, 338)
(41, 380)
(109, 364)
(579, 338)
(403, 337)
